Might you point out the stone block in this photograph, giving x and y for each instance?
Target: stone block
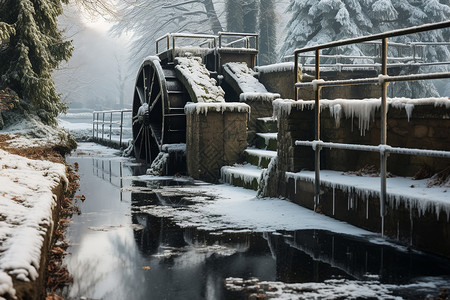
(215, 139)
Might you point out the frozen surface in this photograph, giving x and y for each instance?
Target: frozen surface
(412, 193)
(236, 209)
(332, 288)
(26, 203)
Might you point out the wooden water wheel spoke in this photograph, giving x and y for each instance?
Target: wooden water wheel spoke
(158, 97)
(138, 135)
(141, 94)
(151, 85)
(152, 123)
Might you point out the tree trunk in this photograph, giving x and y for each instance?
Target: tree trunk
(212, 16)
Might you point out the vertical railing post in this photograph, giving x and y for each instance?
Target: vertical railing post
(296, 76)
(121, 128)
(110, 126)
(93, 125)
(103, 126)
(173, 47)
(317, 133)
(383, 141)
(97, 125)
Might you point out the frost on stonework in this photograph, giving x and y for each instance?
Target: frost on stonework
(31, 47)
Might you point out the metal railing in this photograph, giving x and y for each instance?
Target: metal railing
(246, 38)
(113, 119)
(209, 40)
(414, 58)
(383, 80)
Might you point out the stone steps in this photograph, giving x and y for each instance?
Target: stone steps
(267, 124)
(246, 176)
(257, 157)
(266, 141)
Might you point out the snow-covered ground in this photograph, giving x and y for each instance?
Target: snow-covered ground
(26, 203)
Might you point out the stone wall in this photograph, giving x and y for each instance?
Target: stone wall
(427, 128)
(429, 231)
(215, 136)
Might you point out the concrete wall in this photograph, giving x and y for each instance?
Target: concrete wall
(214, 139)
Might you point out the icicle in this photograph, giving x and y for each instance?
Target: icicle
(334, 200)
(367, 209)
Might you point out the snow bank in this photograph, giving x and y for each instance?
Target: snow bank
(26, 203)
(198, 78)
(204, 108)
(363, 109)
(31, 132)
(414, 194)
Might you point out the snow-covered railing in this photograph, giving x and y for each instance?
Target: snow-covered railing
(245, 38)
(209, 40)
(383, 80)
(111, 120)
(346, 61)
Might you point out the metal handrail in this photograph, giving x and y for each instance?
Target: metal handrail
(383, 79)
(96, 122)
(244, 37)
(173, 36)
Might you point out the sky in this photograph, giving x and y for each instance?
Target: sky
(99, 68)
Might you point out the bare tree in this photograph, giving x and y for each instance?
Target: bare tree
(147, 20)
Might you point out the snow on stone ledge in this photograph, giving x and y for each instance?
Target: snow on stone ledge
(276, 68)
(250, 96)
(412, 193)
(26, 203)
(198, 78)
(204, 108)
(244, 77)
(363, 109)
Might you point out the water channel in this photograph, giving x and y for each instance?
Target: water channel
(118, 251)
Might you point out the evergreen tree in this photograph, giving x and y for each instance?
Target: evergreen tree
(320, 21)
(31, 48)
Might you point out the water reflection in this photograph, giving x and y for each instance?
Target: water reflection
(118, 252)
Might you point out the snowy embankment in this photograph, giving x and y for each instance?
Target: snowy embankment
(26, 204)
(27, 200)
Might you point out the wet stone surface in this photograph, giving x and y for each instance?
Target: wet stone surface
(128, 244)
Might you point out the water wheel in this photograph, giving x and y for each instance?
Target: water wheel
(158, 109)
